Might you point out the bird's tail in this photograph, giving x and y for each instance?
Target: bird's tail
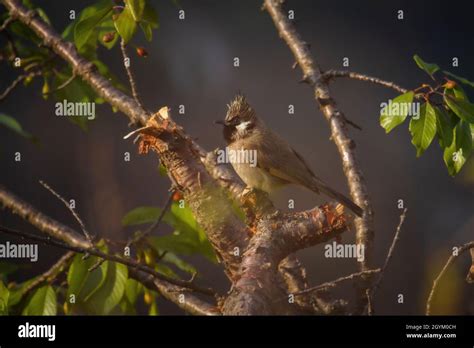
(347, 202)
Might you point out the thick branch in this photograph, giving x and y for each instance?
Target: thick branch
(339, 133)
(460, 250)
(42, 222)
(276, 238)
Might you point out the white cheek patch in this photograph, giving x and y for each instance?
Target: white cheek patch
(243, 126)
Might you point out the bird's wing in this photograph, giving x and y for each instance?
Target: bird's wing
(300, 174)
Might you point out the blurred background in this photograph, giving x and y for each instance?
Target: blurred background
(190, 63)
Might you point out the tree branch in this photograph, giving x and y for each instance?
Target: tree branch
(371, 292)
(276, 238)
(328, 75)
(460, 250)
(182, 158)
(335, 282)
(339, 134)
(126, 64)
(51, 274)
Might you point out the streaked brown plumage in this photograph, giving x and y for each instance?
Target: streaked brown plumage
(277, 163)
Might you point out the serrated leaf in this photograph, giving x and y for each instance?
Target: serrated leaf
(126, 25)
(86, 26)
(461, 107)
(42, 302)
(394, 113)
(82, 283)
(423, 128)
(444, 128)
(456, 155)
(427, 67)
(110, 293)
(459, 78)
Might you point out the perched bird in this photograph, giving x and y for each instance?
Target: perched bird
(277, 163)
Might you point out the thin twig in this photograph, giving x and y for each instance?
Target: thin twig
(16, 82)
(6, 23)
(139, 236)
(333, 283)
(62, 85)
(51, 274)
(73, 211)
(131, 79)
(376, 285)
(328, 75)
(114, 258)
(460, 250)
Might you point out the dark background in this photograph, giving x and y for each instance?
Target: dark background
(191, 63)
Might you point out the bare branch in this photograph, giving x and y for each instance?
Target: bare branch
(15, 83)
(6, 23)
(328, 75)
(335, 282)
(68, 206)
(42, 222)
(149, 230)
(114, 258)
(371, 292)
(339, 134)
(51, 274)
(188, 302)
(131, 79)
(460, 250)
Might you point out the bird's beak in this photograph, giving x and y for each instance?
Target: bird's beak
(220, 122)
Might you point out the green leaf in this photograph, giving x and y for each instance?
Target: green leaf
(147, 30)
(4, 295)
(82, 283)
(133, 290)
(136, 8)
(107, 26)
(461, 107)
(423, 128)
(427, 67)
(126, 25)
(42, 302)
(179, 263)
(13, 124)
(141, 215)
(111, 292)
(86, 26)
(444, 128)
(458, 152)
(150, 16)
(395, 112)
(460, 79)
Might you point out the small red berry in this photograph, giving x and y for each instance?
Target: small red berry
(142, 52)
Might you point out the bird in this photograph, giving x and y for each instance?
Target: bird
(277, 163)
